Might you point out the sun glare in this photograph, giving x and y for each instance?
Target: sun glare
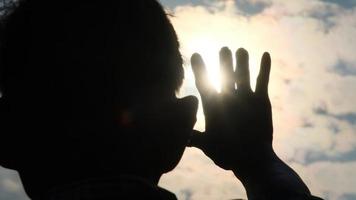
(208, 46)
(210, 53)
(211, 60)
(209, 49)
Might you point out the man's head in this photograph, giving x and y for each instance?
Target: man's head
(95, 83)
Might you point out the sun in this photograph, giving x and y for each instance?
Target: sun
(211, 60)
(208, 47)
(209, 50)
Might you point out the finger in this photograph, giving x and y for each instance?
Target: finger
(263, 76)
(242, 70)
(197, 139)
(226, 71)
(201, 75)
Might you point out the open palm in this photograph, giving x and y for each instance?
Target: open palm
(238, 132)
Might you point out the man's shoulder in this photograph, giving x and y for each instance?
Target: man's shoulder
(122, 187)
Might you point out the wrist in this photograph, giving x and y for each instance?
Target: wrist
(255, 163)
(257, 175)
(268, 177)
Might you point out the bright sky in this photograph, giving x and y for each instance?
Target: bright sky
(312, 87)
(313, 82)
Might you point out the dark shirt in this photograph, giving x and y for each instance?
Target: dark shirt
(123, 187)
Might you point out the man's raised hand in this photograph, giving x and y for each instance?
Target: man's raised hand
(238, 131)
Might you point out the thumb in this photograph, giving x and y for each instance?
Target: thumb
(188, 107)
(197, 139)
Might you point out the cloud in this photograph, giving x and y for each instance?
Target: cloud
(331, 180)
(313, 45)
(197, 177)
(313, 157)
(7, 7)
(312, 84)
(173, 4)
(348, 117)
(348, 4)
(344, 68)
(10, 186)
(348, 197)
(249, 8)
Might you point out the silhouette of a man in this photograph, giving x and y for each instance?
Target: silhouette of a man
(89, 107)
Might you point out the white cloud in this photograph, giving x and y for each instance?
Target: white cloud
(306, 39)
(198, 174)
(329, 179)
(10, 186)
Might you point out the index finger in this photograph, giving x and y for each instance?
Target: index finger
(201, 75)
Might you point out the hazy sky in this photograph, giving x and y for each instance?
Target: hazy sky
(312, 89)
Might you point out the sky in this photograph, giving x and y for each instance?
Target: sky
(312, 90)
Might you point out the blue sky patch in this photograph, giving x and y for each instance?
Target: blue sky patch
(245, 6)
(174, 3)
(344, 68)
(348, 117)
(343, 3)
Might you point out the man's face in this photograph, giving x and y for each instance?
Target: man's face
(161, 131)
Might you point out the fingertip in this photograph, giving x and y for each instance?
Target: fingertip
(241, 52)
(195, 55)
(196, 139)
(266, 57)
(189, 108)
(198, 66)
(225, 50)
(196, 59)
(266, 54)
(266, 63)
(226, 55)
(192, 101)
(195, 101)
(242, 58)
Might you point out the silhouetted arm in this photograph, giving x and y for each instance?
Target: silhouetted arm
(273, 179)
(238, 132)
